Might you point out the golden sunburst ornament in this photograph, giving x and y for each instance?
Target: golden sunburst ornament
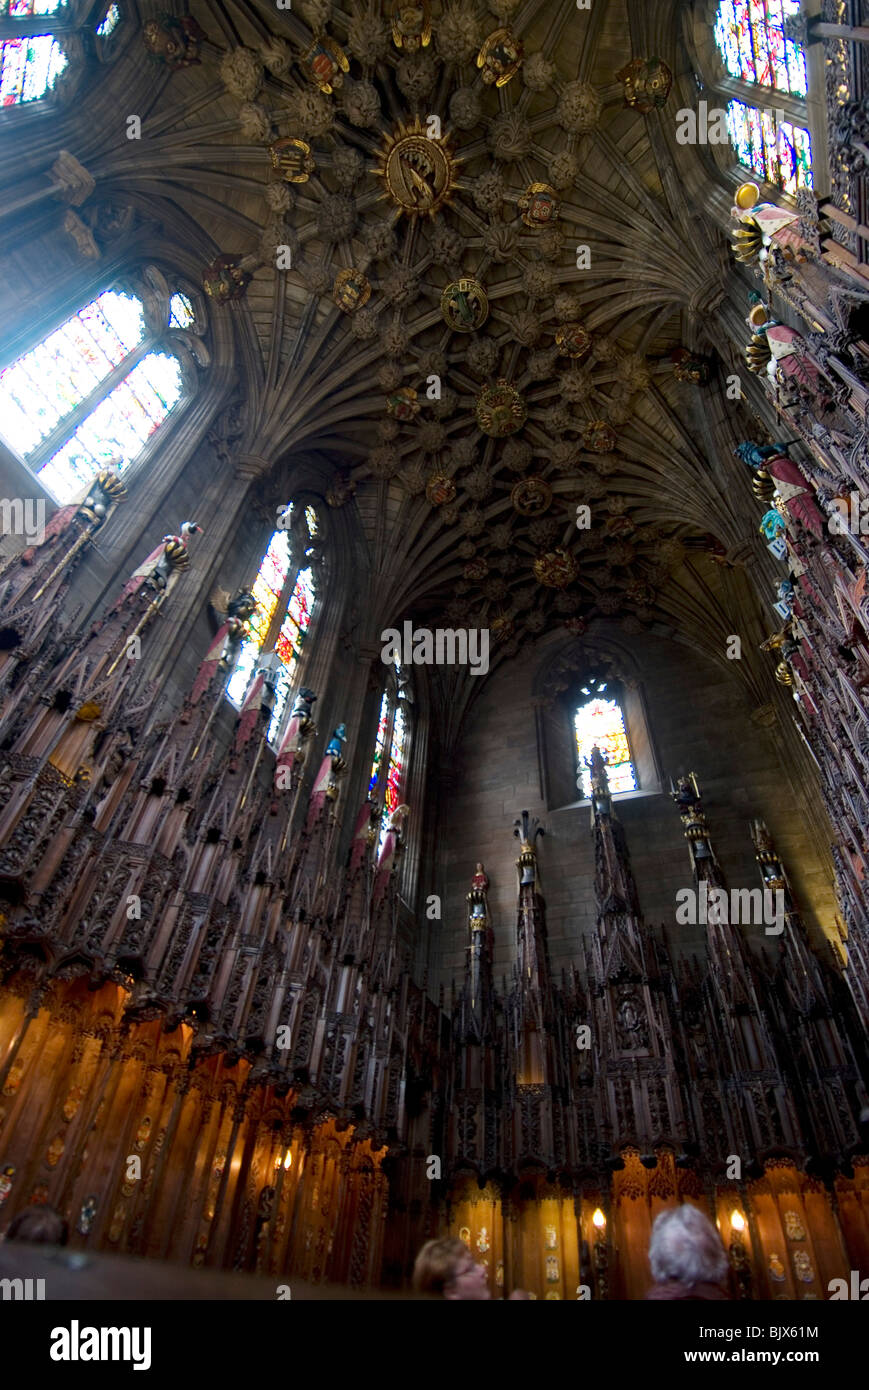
(417, 169)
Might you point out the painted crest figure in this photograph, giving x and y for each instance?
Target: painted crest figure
(351, 290)
(555, 569)
(599, 437)
(411, 26)
(174, 40)
(539, 205)
(402, 404)
(500, 410)
(500, 58)
(440, 490)
(340, 490)
(293, 159)
(224, 279)
(647, 83)
(531, 496)
(325, 64)
(465, 305)
(573, 340)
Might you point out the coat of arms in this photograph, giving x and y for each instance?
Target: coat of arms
(538, 205)
(351, 290)
(325, 64)
(293, 159)
(402, 403)
(464, 305)
(500, 410)
(573, 340)
(499, 58)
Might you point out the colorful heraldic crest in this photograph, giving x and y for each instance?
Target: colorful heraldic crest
(464, 305)
(325, 64)
(500, 58)
(573, 340)
(555, 569)
(440, 490)
(531, 496)
(599, 437)
(501, 410)
(417, 171)
(803, 1267)
(351, 290)
(647, 83)
(411, 26)
(293, 159)
(402, 404)
(539, 205)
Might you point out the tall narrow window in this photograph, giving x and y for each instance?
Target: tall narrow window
(96, 388)
(110, 22)
(29, 67)
(388, 769)
(751, 40)
(599, 720)
(23, 9)
(284, 592)
(767, 117)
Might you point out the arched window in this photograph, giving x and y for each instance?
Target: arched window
(110, 22)
(764, 75)
(599, 720)
(284, 590)
(389, 768)
(29, 67)
(99, 385)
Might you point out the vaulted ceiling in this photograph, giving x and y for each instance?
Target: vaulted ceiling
(476, 327)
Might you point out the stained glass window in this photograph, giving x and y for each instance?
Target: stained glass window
(180, 311)
(110, 23)
(780, 153)
(378, 746)
(29, 66)
(600, 721)
(119, 425)
(55, 390)
(47, 383)
(386, 779)
(270, 583)
(22, 9)
(750, 38)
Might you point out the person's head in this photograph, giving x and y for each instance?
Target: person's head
(39, 1225)
(448, 1268)
(686, 1247)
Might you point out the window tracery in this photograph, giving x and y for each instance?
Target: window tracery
(389, 767)
(99, 385)
(766, 81)
(599, 720)
(285, 591)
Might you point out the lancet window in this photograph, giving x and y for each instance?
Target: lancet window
(764, 74)
(599, 720)
(389, 767)
(99, 384)
(285, 590)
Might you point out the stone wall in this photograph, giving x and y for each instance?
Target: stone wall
(699, 720)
